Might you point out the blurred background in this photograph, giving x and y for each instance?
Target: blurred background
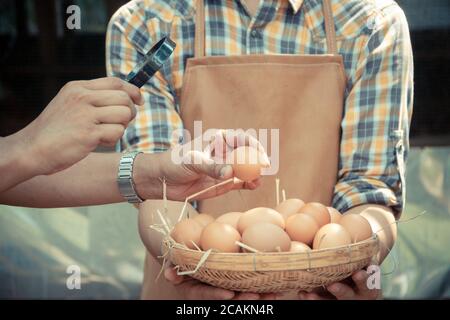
(38, 55)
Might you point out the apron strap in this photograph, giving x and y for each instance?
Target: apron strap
(200, 28)
(330, 28)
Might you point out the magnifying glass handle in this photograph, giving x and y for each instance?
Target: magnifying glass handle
(155, 59)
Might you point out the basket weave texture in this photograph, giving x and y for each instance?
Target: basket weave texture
(274, 272)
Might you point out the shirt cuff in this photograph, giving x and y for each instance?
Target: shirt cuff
(363, 191)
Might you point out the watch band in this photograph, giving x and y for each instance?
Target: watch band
(125, 177)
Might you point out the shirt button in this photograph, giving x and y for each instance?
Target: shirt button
(255, 33)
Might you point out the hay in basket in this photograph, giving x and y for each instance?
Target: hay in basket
(264, 272)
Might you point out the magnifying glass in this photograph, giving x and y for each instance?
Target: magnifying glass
(155, 58)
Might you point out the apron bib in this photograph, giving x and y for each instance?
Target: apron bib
(300, 95)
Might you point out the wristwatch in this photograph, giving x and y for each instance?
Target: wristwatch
(125, 177)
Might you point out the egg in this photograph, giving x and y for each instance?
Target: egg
(299, 247)
(330, 236)
(221, 237)
(335, 216)
(230, 218)
(187, 231)
(204, 219)
(358, 227)
(317, 211)
(256, 215)
(266, 237)
(301, 227)
(247, 163)
(289, 207)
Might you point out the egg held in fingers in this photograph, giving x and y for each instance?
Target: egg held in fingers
(247, 163)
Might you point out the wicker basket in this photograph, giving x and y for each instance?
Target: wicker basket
(274, 272)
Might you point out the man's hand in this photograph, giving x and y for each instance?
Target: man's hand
(354, 288)
(197, 171)
(84, 115)
(192, 289)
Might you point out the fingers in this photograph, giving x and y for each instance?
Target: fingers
(342, 291)
(171, 275)
(268, 296)
(116, 115)
(360, 278)
(104, 98)
(238, 138)
(310, 296)
(247, 296)
(115, 84)
(195, 290)
(218, 191)
(200, 163)
(109, 134)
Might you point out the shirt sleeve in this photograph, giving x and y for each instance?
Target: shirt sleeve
(129, 37)
(378, 109)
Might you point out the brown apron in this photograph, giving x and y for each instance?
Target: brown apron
(301, 95)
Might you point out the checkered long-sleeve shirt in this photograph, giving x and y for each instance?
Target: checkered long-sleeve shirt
(373, 38)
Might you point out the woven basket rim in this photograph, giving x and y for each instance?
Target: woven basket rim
(276, 261)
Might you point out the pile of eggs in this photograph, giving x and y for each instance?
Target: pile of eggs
(292, 226)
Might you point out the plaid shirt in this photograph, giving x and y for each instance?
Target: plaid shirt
(373, 38)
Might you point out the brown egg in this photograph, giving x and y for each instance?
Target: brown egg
(317, 211)
(299, 247)
(204, 219)
(289, 207)
(358, 227)
(266, 237)
(230, 218)
(187, 231)
(330, 236)
(256, 215)
(247, 163)
(221, 237)
(301, 227)
(335, 216)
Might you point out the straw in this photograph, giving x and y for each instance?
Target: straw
(200, 193)
(277, 188)
(246, 247)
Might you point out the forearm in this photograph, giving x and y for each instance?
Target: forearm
(382, 221)
(15, 164)
(91, 181)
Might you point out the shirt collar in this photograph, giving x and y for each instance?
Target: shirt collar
(296, 4)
